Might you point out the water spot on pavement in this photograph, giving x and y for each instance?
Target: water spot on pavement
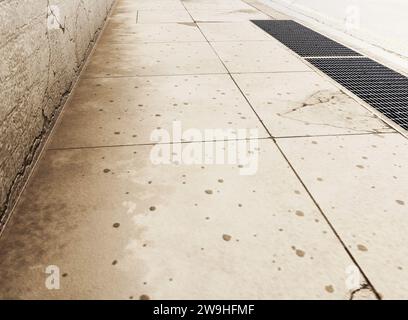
(362, 247)
(299, 213)
(226, 237)
(300, 253)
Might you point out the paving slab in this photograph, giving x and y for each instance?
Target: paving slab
(135, 59)
(134, 6)
(150, 32)
(217, 5)
(361, 184)
(233, 31)
(227, 15)
(119, 227)
(263, 7)
(301, 104)
(127, 110)
(257, 56)
(163, 16)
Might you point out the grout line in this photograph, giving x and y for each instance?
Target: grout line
(193, 74)
(155, 75)
(266, 72)
(335, 135)
(154, 144)
(302, 182)
(328, 221)
(137, 42)
(155, 22)
(140, 42)
(212, 141)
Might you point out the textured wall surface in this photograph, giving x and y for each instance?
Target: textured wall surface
(43, 45)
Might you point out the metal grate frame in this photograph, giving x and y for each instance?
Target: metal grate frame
(384, 89)
(302, 40)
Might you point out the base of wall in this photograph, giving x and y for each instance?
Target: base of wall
(40, 140)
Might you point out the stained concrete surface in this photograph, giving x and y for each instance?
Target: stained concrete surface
(128, 59)
(370, 218)
(288, 107)
(327, 199)
(176, 251)
(124, 110)
(257, 56)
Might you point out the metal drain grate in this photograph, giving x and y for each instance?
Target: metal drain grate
(383, 88)
(304, 41)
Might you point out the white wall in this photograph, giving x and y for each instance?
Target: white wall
(383, 23)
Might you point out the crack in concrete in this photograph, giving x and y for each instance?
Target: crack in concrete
(318, 98)
(365, 291)
(50, 12)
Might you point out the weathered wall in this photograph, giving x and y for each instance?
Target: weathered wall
(43, 45)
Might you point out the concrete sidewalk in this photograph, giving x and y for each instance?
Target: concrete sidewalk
(324, 216)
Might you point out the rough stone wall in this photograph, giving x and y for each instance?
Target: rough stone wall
(43, 44)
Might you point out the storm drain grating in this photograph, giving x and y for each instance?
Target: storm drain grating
(304, 41)
(384, 89)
